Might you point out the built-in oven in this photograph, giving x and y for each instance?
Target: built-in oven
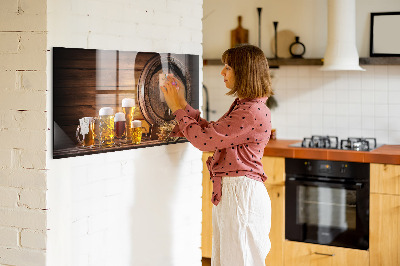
(327, 202)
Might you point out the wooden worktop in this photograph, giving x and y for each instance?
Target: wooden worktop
(389, 154)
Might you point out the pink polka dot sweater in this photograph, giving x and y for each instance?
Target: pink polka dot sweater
(238, 139)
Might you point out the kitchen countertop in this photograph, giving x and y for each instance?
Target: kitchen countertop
(389, 154)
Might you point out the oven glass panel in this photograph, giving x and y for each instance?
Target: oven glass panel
(326, 207)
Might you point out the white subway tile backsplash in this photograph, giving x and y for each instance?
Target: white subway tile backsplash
(366, 100)
(342, 109)
(329, 109)
(381, 71)
(329, 123)
(368, 110)
(316, 83)
(342, 122)
(354, 80)
(394, 71)
(381, 97)
(303, 82)
(291, 71)
(304, 72)
(382, 110)
(355, 132)
(394, 123)
(394, 97)
(342, 96)
(328, 74)
(355, 122)
(342, 80)
(381, 122)
(394, 83)
(382, 136)
(394, 110)
(368, 123)
(367, 96)
(355, 96)
(380, 84)
(292, 82)
(394, 136)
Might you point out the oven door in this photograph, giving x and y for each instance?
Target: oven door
(327, 213)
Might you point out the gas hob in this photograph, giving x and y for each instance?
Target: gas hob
(332, 142)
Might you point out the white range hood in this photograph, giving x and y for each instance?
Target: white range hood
(341, 51)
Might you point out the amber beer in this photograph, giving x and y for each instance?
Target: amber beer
(106, 127)
(128, 107)
(86, 130)
(136, 131)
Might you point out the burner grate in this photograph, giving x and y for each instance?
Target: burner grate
(358, 144)
(327, 142)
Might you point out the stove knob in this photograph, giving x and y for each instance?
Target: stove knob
(343, 168)
(308, 166)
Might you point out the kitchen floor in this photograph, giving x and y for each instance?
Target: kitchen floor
(206, 261)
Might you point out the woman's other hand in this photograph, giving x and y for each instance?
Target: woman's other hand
(174, 93)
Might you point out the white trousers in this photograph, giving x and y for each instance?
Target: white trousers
(241, 223)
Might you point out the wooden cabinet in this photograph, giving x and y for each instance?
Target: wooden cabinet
(305, 254)
(277, 233)
(206, 226)
(385, 178)
(385, 215)
(274, 168)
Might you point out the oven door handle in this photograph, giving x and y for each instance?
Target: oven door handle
(357, 185)
(324, 254)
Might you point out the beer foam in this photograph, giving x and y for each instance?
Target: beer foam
(128, 102)
(136, 123)
(106, 111)
(119, 117)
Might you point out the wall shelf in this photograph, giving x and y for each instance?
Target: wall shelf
(380, 61)
(274, 63)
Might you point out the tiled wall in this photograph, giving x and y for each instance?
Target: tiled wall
(313, 102)
(23, 132)
(134, 207)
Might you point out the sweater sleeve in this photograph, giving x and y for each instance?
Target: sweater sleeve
(193, 113)
(231, 130)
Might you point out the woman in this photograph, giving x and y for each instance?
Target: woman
(242, 208)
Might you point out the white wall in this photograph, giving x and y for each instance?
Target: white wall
(23, 133)
(311, 102)
(134, 207)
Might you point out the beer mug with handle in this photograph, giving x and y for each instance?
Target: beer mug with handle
(85, 132)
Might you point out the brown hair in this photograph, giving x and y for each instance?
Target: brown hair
(250, 66)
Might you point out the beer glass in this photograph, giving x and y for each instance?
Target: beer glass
(136, 131)
(86, 130)
(119, 125)
(128, 107)
(106, 127)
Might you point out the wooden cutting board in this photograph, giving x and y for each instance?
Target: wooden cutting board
(239, 35)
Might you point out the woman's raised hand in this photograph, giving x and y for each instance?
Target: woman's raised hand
(174, 93)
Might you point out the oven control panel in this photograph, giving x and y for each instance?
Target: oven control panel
(337, 169)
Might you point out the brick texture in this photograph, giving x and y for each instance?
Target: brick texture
(33, 239)
(23, 125)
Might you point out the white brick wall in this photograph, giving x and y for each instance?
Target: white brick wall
(23, 132)
(100, 206)
(134, 207)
